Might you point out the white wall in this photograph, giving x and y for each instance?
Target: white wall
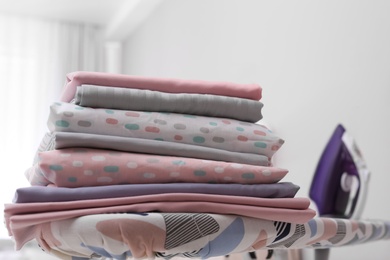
(320, 63)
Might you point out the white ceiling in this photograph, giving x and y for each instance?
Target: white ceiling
(90, 11)
(118, 17)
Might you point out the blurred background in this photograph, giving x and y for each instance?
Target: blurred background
(319, 64)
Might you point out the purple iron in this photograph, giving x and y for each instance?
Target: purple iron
(339, 186)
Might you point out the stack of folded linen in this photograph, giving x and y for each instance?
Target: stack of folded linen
(184, 164)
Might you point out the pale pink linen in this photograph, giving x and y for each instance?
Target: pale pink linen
(21, 219)
(169, 85)
(289, 203)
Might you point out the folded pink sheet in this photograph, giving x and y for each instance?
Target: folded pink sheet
(21, 219)
(169, 85)
(82, 167)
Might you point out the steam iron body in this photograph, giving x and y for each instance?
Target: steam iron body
(339, 186)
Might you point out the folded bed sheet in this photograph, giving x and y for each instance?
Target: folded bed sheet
(61, 140)
(167, 235)
(219, 133)
(81, 167)
(181, 103)
(22, 218)
(170, 85)
(57, 194)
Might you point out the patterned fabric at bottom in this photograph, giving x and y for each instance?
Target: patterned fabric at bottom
(165, 235)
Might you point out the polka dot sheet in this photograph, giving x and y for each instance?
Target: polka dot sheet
(219, 133)
(78, 167)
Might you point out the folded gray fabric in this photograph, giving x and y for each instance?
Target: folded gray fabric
(52, 194)
(182, 103)
(128, 144)
(46, 144)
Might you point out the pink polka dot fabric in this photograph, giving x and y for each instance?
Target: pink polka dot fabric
(81, 167)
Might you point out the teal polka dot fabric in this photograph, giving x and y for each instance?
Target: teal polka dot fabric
(218, 133)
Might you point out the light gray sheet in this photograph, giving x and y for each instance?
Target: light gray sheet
(69, 139)
(155, 101)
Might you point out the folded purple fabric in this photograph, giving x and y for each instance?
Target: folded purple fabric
(52, 194)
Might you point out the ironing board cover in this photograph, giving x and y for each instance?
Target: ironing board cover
(166, 235)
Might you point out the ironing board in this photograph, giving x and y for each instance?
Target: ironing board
(230, 150)
(168, 235)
